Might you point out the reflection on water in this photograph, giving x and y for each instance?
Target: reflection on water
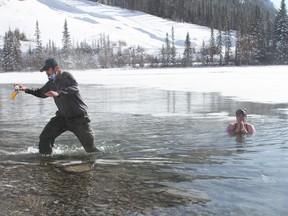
(164, 153)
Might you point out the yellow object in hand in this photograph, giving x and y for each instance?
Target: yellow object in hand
(16, 91)
(14, 95)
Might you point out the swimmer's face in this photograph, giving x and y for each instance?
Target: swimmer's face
(240, 117)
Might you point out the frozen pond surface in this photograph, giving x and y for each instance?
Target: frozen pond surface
(165, 153)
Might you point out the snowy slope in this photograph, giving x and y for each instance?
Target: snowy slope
(87, 20)
(278, 2)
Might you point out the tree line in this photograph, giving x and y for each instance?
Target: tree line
(219, 14)
(101, 52)
(259, 42)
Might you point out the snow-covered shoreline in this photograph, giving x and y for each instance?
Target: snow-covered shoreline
(267, 84)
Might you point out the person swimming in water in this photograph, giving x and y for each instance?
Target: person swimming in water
(241, 126)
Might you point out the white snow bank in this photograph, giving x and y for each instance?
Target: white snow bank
(260, 84)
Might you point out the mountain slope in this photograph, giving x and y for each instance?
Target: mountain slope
(87, 20)
(211, 13)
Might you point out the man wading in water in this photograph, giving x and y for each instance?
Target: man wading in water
(72, 111)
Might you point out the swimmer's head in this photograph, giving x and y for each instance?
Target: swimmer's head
(242, 112)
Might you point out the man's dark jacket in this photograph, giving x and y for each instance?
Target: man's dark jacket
(69, 102)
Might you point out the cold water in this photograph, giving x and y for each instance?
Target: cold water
(164, 153)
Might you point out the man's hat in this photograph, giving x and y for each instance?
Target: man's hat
(51, 62)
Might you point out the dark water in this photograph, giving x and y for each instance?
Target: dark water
(164, 153)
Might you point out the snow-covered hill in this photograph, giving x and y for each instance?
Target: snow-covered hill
(88, 20)
(277, 3)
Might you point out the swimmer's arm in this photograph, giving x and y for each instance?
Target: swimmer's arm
(251, 129)
(230, 128)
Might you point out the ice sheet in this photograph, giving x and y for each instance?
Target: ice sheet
(266, 84)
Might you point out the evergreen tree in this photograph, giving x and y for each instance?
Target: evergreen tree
(8, 59)
(280, 40)
(268, 40)
(173, 48)
(51, 49)
(83, 56)
(257, 38)
(39, 58)
(120, 61)
(219, 47)
(212, 50)
(29, 59)
(163, 56)
(106, 56)
(133, 57)
(243, 50)
(140, 56)
(12, 54)
(17, 53)
(66, 46)
(237, 48)
(187, 55)
(167, 51)
(203, 54)
(79, 57)
(228, 51)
